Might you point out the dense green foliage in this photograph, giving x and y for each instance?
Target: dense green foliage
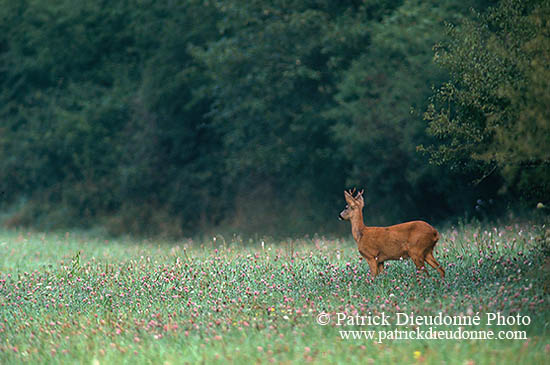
(76, 299)
(493, 115)
(185, 117)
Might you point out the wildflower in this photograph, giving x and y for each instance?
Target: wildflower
(417, 354)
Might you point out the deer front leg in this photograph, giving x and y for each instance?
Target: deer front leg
(373, 264)
(381, 267)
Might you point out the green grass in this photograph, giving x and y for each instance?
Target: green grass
(75, 298)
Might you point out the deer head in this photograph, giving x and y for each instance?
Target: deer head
(354, 206)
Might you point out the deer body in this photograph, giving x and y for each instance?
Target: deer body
(414, 239)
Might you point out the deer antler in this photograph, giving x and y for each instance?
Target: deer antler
(351, 192)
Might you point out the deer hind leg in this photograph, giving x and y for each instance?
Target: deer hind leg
(430, 259)
(381, 267)
(419, 262)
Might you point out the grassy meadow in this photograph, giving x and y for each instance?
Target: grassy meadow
(70, 297)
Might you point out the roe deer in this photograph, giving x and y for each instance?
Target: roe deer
(414, 239)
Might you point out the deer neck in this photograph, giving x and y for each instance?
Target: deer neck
(357, 226)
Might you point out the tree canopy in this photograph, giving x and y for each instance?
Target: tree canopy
(493, 116)
(188, 117)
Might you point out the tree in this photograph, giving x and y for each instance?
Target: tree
(171, 159)
(272, 73)
(492, 116)
(63, 101)
(377, 122)
(98, 114)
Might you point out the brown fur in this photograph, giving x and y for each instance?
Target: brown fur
(414, 239)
